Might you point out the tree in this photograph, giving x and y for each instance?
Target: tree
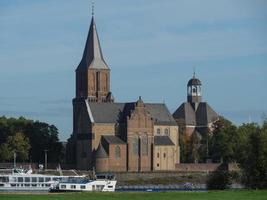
(253, 161)
(224, 142)
(19, 144)
(41, 136)
(5, 152)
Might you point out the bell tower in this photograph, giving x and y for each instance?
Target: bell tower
(93, 74)
(194, 90)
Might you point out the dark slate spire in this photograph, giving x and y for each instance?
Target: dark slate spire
(92, 55)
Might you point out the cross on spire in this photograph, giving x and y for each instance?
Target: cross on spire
(93, 8)
(194, 73)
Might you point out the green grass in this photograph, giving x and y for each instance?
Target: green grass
(214, 195)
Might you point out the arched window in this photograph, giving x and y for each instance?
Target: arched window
(145, 145)
(117, 152)
(135, 146)
(166, 131)
(158, 131)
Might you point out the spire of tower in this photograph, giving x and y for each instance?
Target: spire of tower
(194, 73)
(92, 55)
(93, 8)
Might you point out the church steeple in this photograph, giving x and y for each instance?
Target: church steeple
(92, 55)
(93, 73)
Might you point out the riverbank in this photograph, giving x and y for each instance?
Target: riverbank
(211, 195)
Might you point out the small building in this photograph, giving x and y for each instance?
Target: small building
(195, 116)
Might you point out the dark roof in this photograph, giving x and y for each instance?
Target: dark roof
(112, 139)
(162, 141)
(101, 152)
(194, 81)
(203, 115)
(117, 112)
(92, 55)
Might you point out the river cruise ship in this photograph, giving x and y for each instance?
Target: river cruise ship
(21, 180)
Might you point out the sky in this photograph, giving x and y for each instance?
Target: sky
(151, 47)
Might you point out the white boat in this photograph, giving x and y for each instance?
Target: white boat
(102, 183)
(21, 180)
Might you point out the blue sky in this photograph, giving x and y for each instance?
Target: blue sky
(151, 47)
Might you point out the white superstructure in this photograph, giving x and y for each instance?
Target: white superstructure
(103, 183)
(20, 180)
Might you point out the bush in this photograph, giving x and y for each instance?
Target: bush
(219, 180)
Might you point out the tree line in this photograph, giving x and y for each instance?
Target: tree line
(245, 145)
(28, 139)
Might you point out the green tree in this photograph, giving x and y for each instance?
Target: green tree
(224, 142)
(19, 144)
(253, 161)
(5, 152)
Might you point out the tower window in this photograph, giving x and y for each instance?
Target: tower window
(166, 131)
(117, 152)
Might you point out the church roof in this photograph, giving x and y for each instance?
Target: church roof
(101, 152)
(203, 115)
(194, 81)
(162, 141)
(92, 55)
(112, 139)
(117, 112)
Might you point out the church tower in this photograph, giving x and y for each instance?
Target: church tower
(93, 74)
(194, 90)
(92, 85)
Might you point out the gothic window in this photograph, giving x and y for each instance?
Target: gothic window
(135, 146)
(117, 152)
(166, 131)
(158, 131)
(145, 145)
(164, 155)
(98, 81)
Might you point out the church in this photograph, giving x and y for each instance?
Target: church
(111, 136)
(195, 116)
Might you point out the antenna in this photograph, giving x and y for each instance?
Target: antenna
(93, 8)
(194, 72)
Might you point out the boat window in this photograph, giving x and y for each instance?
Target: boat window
(99, 187)
(20, 179)
(27, 179)
(47, 185)
(73, 186)
(110, 186)
(34, 179)
(2, 185)
(47, 179)
(82, 187)
(41, 179)
(4, 179)
(27, 185)
(34, 185)
(63, 186)
(13, 185)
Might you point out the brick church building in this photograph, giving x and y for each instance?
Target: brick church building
(110, 136)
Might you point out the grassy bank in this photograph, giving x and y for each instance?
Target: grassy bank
(214, 195)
